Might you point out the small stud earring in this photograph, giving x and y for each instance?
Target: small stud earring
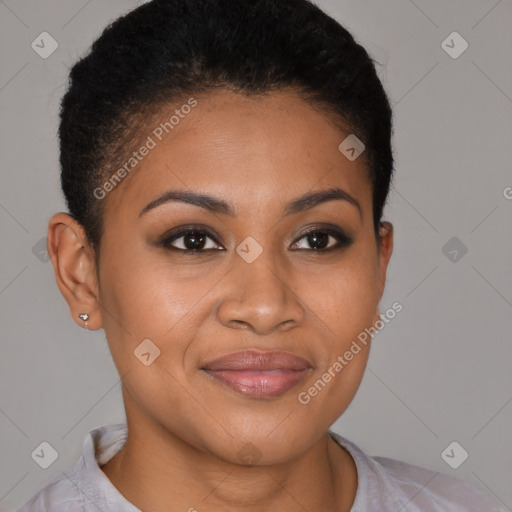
(84, 317)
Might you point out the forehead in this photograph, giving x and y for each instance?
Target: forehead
(254, 151)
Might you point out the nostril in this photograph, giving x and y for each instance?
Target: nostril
(239, 324)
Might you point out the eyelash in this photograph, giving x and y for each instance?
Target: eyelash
(341, 238)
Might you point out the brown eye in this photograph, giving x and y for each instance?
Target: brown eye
(191, 240)
(318, 239)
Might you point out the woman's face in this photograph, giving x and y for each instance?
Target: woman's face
(255, 281)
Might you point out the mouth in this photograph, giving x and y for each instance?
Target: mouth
(259, 374)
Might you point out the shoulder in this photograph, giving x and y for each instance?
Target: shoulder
(85, 488)
(427, 488)
(60, 494)
(386, 484)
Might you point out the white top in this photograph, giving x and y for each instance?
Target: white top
(384, 484)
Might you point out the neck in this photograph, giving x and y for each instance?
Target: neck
(169, 474)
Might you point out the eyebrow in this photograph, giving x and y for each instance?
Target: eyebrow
(215, 205)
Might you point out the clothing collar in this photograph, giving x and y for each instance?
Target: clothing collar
(101, 444)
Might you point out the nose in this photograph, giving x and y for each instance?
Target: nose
(261, 297)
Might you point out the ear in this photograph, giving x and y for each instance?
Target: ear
(75, 270)
(385, 249)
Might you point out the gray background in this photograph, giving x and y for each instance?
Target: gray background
(439, 372)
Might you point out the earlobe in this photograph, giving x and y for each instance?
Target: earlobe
(74, 267)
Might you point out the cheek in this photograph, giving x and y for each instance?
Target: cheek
(344, 305)
(143, 300)
(143, 288)
(344, 298)
(144, 304)
(349, 301)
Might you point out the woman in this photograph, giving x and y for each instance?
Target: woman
(225, 166)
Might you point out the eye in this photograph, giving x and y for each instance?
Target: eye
(318, 239)
(191, 240)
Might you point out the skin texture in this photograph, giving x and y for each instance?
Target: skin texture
(185, 429)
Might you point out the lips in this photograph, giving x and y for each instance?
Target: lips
(254, 360)
(259, 374)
